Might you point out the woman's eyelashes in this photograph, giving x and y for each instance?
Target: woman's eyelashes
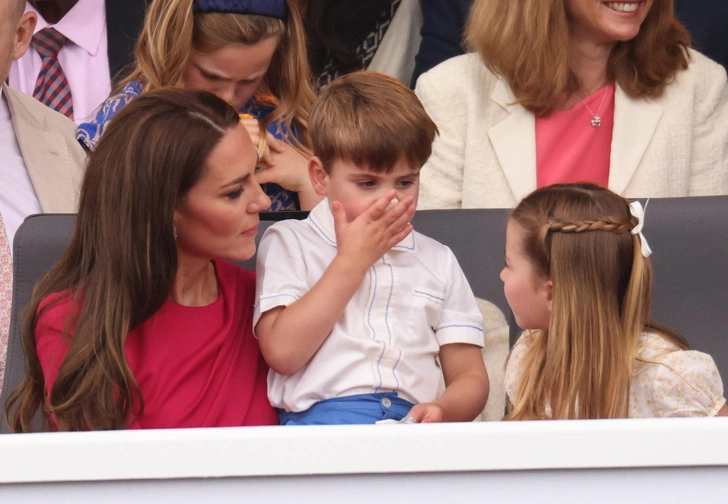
(235, 194)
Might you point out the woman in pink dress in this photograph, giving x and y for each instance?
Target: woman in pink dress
(143, 323)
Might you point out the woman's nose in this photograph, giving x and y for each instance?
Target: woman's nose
(259, 202)
(264, 201)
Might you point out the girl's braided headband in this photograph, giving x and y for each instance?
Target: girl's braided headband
(607, 224)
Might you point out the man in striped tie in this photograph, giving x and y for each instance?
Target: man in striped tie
(79, 48)
(41, 164)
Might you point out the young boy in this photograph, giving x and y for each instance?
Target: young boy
(353, 305)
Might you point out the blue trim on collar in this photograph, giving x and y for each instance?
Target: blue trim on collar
(321, 230)
(411, 247)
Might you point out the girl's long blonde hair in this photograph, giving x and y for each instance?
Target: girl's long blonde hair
(172, 29)
(578, 236)
(526, 42)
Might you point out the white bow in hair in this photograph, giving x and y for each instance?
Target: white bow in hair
(635, 208)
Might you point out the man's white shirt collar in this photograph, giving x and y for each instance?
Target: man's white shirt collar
(83, 25)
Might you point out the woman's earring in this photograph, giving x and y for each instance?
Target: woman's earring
(174, 233)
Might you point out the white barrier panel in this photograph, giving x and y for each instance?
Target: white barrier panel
(615, 461)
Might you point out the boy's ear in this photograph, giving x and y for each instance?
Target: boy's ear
(319, 177)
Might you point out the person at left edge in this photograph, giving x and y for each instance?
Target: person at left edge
(41, 164)
(100, 44)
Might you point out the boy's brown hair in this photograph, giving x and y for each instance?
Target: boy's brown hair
(373, 120)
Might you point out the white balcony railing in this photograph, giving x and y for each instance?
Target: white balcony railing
(618, 461)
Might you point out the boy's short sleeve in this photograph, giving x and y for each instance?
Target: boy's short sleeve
(460, 321)
(280, 270)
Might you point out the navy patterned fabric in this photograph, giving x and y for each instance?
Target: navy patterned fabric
(271, 8)
(88, 134)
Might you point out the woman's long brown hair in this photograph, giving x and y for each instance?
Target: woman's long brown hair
(526, 42)
(172, 29)
(578, 236)
(121, 263)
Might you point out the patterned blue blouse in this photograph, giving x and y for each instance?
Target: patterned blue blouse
(90, 133)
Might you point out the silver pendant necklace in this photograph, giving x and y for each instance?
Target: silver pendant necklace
(596, 119)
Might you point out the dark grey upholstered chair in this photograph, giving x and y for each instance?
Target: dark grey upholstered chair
(688, 236)
(689, 241)
(38, 244)
(478, 239)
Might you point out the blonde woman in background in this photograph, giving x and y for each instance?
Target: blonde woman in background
(561, 91)
(251, 53)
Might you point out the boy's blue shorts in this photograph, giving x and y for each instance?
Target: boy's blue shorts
(356, 409)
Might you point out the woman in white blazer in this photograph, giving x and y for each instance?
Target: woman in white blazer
(537, 63)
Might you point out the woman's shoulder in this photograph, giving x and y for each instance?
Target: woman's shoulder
(55, 305)
(469, 64)
(701, 80)
(703, 65)
(53, 316)
(457, 77)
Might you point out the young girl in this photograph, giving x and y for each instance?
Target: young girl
(250, 53)
(578, 280)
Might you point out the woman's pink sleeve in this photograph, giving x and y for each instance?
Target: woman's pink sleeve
(50, 345)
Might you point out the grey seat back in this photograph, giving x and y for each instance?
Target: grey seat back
(689, 241)
(689, 238)
(38, 244)
(478, 239)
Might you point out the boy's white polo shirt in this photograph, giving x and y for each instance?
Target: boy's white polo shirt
(413, 300)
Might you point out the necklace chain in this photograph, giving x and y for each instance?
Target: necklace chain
(596, 119)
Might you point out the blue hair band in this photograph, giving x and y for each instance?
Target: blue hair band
(271, 8)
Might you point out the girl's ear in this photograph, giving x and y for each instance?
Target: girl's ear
(549, 293)
(319, 177)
